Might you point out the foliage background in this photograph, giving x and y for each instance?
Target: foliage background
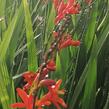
(25, 34)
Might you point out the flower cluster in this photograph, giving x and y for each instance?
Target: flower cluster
(71, 7)
(36, 80)
(66, 41)
(46, 100)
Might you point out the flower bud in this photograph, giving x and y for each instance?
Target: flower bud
(46, 82)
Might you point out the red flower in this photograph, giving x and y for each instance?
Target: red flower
(45, 71)
(68, 42)
(29, 78)
(71, 7)
(27, 100)
(52, 97)
(55, 34)
(51, 65)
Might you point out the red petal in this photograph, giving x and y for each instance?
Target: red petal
(75, 43)
(18, 105)
(51, 65)
(65, 43)
(61, 101)
(42, 100)
(74, 9)
(30, 102)
(56, 104)
(58, 83)
(29, 76)
(47, 103)
(23, 95)
(69, 42)
(59, 18)
(55, 34)
(61, 7)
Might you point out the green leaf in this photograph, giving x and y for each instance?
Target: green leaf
(32, 58)
(2, 16)
(90, 86)
(17, 34)
(58, 66)
(107, 102)
(91, 26)
(7, 37)
(50, 24)
(4, 91)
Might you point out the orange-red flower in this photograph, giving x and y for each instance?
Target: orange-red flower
(51, 65)
(52, 97)
(55, 34)
(27, 100)
(45, 71)
(29, 78)
(68, 41)
(71, 7)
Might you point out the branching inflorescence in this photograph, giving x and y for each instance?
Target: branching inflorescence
(37, 80)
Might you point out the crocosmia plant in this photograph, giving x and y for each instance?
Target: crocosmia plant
(34, 81)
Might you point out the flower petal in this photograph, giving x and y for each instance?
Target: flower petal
(61, 101)
(58, 83)
(61, 7)
(23, 95)
(30, 102)
(51, 65)
(56, 104)
(18, 105)
(43, 101)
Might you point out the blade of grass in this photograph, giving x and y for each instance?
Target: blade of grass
(15, 38)
(2, 14)
(91, 26)
(6, 40)
(107, 103)
(4, 93)
(50, 23)
(32, 58)
(90, 86)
